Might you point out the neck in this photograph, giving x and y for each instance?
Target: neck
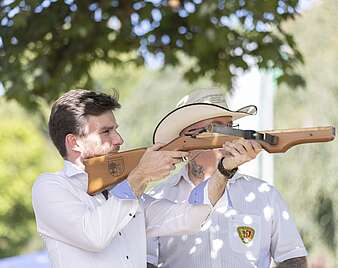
(203, 165)
(76, 160)
(198, 172)
(195, 173)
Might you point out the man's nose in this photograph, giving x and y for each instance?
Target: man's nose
(117, 139)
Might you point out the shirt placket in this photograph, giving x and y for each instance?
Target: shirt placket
(130, 260)
(125, 253)
(217, 242)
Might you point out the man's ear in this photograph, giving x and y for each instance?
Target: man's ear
(72, 144)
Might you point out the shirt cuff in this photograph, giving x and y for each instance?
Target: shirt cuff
(152, 260)
(298, 252)
(123, 191)
(199, 195)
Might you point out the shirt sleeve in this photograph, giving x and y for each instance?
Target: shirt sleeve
(152, 250)
(123, 191)
(64, 216)
(164, 217)
(286, 242)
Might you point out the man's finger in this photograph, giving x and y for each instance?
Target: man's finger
(156, 146)
(234, 145)
(240, 148)
(256, 146)
(231, 150)
(244, 142)
(175, 161)
(248, 145)
(176, 154)
(173, 167)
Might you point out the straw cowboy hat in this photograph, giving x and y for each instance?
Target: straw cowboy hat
(199, 105)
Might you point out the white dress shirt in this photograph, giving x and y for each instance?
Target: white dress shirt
(249, 207)
(86, 231)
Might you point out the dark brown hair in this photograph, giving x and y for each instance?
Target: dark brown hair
(69, 114)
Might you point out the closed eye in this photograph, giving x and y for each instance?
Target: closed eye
(106, 131)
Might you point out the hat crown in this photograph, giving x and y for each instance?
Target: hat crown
(197, 106)
(212, 96)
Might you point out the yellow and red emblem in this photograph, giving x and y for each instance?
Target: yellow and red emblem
(246, 233)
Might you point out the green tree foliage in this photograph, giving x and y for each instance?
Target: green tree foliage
(48, 47)
(307, 175)
(24, 153)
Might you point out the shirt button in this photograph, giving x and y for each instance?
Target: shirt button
(130, 214)
(134, 216)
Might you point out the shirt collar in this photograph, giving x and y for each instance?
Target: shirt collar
(181, 175)
(71, 169)
(238, 176)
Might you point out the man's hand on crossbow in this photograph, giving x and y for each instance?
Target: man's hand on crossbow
(239, 152)
(235, 153)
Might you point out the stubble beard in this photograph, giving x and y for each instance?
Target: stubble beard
(94, 147)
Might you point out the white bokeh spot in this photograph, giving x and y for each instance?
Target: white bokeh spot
(268, 211)
(247, 219)
(250, 197)
(264, 187)
(216, 245)
(285, 215)
(198, 241)
(192, 250)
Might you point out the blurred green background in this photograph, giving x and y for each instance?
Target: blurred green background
(306, 175)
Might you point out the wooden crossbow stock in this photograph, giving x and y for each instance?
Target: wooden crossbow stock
(108, 170)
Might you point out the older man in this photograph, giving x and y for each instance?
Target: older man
(249, 225)
(108, 229)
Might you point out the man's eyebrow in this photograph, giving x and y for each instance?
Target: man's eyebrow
(109, 127)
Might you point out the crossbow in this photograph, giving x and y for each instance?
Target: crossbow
(107, 170)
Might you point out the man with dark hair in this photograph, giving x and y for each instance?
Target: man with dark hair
(69, 112)
(108, 229)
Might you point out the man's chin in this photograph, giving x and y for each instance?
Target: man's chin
(114, 150)
(101, 153)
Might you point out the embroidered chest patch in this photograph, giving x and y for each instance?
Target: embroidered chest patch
(246, 233)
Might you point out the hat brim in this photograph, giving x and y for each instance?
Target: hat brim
(174, 122)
